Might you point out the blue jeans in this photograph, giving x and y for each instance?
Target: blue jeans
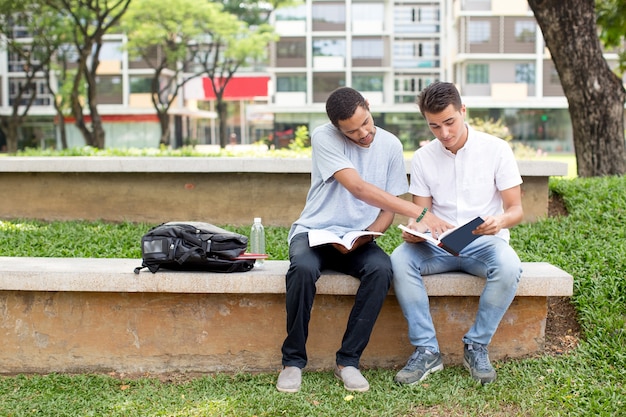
(369, 263)
(488, 256)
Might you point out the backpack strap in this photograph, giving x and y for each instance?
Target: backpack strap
(190, 252)
(151, 268)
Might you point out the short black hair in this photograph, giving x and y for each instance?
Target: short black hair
(437, 96)
(342, 103)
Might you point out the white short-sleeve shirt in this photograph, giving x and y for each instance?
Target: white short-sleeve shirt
(466, 184)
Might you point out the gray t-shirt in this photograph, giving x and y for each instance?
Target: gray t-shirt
(328, 204)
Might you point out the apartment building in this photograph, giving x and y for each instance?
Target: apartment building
(390, 49)
(492, 50)
(505, 72)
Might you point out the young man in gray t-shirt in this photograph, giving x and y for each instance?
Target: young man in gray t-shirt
(357, 173)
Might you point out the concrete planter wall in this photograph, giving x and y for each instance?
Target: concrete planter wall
(217, 190)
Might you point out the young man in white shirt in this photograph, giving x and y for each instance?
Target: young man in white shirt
(458, 176)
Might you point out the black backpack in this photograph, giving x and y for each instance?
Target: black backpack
(193, 246)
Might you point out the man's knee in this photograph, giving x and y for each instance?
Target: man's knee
(380, 270)
(301, 275)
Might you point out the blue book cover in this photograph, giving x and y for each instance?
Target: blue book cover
(453, 240)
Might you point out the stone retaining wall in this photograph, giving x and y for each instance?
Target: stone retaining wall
(216, 190)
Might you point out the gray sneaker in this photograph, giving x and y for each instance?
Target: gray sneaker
(290, 379)
(421, 364)
(476, 359)
(352, 379)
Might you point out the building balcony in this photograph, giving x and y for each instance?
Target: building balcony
(290, 98)
(290, 27)
(332, 63)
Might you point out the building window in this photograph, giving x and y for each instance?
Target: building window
(554, 77)
(111, 51)
(416, 54)
(291, 13)
(325, 83)
(525, 31)
(525, 73)
(427, 14)
(37, 87)
(291, 48)
(16, 62)
(329, 16)
(140, 85)
(368, 48)
(479, 31)
(367, 82)
(109, 89)
(290, 83)
(368, 15)
(414, 19)
(476, 5)
(329, 47)
(406, 87)
(477, 74)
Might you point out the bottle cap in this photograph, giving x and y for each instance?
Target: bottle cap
(257, 220)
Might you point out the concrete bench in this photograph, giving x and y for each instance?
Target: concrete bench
(96, 315)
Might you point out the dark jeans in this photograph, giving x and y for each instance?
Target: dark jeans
(369, 263)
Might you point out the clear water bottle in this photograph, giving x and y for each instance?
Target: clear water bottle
(257, 240)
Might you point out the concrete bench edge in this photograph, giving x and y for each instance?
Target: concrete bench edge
(539, 279)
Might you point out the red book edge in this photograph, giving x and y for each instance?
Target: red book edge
(247, 255)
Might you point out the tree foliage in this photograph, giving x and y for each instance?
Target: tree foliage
(255, 13)
(92, 19)
(228, 47)
(166, 36)
(19, 19)
(611, 18)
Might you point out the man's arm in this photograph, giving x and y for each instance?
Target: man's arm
(376, 197)
(381, 224)
(513, 213)
(421, 202)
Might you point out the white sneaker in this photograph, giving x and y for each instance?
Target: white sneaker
(352, 379)
(290, 379)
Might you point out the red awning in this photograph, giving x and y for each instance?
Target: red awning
(239, 88)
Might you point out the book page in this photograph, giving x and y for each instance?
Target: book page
(426, 236)
(351, 237)
(322, 237)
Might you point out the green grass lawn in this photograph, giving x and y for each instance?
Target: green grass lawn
(590, 380)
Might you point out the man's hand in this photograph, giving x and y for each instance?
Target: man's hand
(432, 223)
(410, 238)
(491, 226)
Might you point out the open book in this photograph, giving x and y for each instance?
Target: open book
(452, 240)
(322, 237)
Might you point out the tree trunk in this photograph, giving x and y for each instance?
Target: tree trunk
(11, 128)
(76, 100)
(222, 115)
(62, 130)
(97, 130)
(594, 93)
(164, 121)
(77, 111)
(97, 127)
